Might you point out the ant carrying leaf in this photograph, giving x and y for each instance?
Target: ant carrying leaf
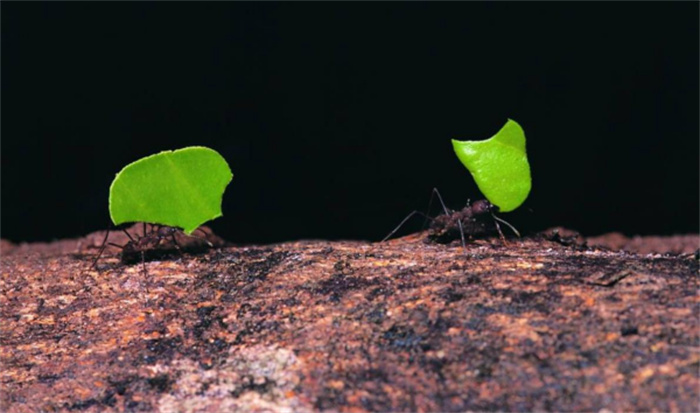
(148, 242)
(474, 220)
(500, 168)
(173, 191)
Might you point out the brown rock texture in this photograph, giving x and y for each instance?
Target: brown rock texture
(539, 323)
(677, 244)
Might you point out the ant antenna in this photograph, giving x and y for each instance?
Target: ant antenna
(427, 217)
(403, 222)
(444, 208)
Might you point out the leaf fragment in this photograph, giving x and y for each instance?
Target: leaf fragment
(499, 166)
(181, 188)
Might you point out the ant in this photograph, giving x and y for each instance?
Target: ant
(470, 220)
(151, 245)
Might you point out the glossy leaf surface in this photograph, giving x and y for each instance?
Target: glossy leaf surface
(499, 166)
(181, 188)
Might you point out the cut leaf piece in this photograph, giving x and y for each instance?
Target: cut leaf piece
(499, 166)
(181, 188)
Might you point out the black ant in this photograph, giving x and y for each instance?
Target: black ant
(474, 219)
(157, 243)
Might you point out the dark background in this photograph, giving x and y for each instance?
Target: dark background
(337, 118)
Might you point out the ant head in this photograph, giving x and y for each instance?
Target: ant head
(166, 231)
(483, 206)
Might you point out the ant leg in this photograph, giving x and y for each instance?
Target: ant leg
(430, 203)
(498, 227)
(129, 235)
(102, 250)
(177, 244)
(94, 262)
(461, 233)
(145, 271)
(403, 222)
(505, 222)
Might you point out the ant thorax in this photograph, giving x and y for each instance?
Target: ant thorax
(475, 219)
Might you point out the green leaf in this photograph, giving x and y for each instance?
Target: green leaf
(499, 166)
(181, 188)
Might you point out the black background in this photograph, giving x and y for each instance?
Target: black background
(337, 118)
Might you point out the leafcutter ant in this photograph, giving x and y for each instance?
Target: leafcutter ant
(475, 219)
(155, 243)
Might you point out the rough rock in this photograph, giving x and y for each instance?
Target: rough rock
(539, 323)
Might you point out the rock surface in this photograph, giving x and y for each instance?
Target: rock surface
(539, 323)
